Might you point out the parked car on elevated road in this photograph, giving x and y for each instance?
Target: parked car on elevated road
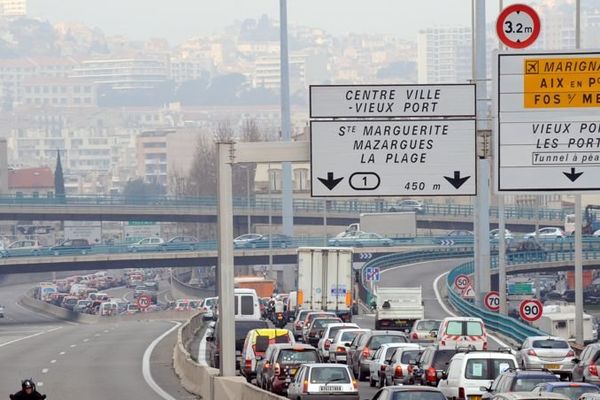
(71, 246)
(146, 244)
(362, 239)
(180, 243)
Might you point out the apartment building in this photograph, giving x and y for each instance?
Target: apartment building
(58, 92)
(124, 73)
(13, 8)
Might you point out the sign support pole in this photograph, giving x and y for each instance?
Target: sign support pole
(578, 221)
(502, 256)
(225, 154)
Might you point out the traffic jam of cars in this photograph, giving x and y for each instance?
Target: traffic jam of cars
(94, 293)
(320, 356)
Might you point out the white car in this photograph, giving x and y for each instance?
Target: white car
(468, 372)
(547, 233)
(399, 370)
(495, 234)
(328, 335)
(381, 359)
(321, 381)
(146, 244)
(338, 349)
(207, 307)
(465, 332)
(549, 352)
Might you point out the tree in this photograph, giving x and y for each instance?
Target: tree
(138, 191)
(59, 180)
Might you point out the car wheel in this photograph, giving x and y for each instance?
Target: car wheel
(372, 382)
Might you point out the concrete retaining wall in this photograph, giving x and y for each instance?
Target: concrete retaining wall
(59, 312)
(204, 381)
(180, 290)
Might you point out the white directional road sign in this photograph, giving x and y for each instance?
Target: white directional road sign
(393, 158)
(392, 101)
(548, 130)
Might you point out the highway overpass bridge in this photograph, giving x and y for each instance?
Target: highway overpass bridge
(306, 211)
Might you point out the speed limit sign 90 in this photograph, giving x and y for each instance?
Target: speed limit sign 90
(461, 282)
(492, 301)
(531, 310)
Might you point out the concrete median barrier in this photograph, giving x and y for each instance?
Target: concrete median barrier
(58, 312)
(203, 380)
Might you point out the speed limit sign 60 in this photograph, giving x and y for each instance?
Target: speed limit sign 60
(461, 282)
(492, 301)
(531, 310)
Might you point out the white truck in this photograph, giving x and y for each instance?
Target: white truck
(559, 320)
(395, 225)
(325, 280)
(398, 307)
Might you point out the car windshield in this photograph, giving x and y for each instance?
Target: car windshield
(417, 395)
(573, 391)
(528, 383)
(550, 344)
(333, 331)
(377, 341)
(428, 325)
(329, 375)
(290, 356)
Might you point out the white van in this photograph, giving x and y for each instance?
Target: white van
(468, 372)
(246, 304)
(78, 289)
(462, 332)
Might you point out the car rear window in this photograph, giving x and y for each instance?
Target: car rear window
(247, 305)
(441, 358)
(428, 325)
(574, 391)
(461, 328)
(550, 344)
(320, 323)
(408, 355)
(480, 368)
(416, 395)
(348, 336)
(297, 356)
(474, 328)
(454, 328)
(528, 383)
(334, 331)
(376, 341)
(329, 375)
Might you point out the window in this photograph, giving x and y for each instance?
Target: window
(454, 328)
(327, 375)
(550, 344)
(409, 355)
(474, 329)
(247, 305)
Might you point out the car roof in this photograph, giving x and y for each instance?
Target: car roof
(520, 372)
(567, 384)
(411, 389)
(392, 333)
(533, 395)
(484, 354)
(546, 338)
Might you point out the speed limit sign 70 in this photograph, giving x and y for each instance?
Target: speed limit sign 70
(531, 310)
(492, 301)
(144, 301)
(461, 282)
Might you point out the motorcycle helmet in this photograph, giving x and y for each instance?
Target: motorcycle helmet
(28, 383)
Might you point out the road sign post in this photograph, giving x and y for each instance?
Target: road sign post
(461, 282)
(531, 310)
(492, 301)
(392, 156)
(518, 26)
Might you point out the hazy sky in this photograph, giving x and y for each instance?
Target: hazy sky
(180, 19)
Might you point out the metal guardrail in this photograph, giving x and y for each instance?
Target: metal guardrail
(264, 204)
(505, 325)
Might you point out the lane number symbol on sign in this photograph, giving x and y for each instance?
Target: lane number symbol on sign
(143, 301)
(461, 282)
(492, 301)
(518, 26)
(531, 310)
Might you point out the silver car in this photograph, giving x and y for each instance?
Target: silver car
(549, 352)
(323, 381)
(338, 348)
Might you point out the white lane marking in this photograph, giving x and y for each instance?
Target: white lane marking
(30, 336)
(86, 340)
(106, 331)
(441, 302)
(146, 365)
(52, 361)
(62, 353)
(73, 345)
(40, 384)
(45, 371)
(97, 335)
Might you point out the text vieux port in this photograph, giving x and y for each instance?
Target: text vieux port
(567, 128)
(375, 96)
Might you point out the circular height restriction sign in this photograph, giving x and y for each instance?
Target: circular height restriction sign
(531, 310)
(144, 301)
(461, 282)
(492, 301)
(518, 26)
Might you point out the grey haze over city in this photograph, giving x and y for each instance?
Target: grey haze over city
(177, 20)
